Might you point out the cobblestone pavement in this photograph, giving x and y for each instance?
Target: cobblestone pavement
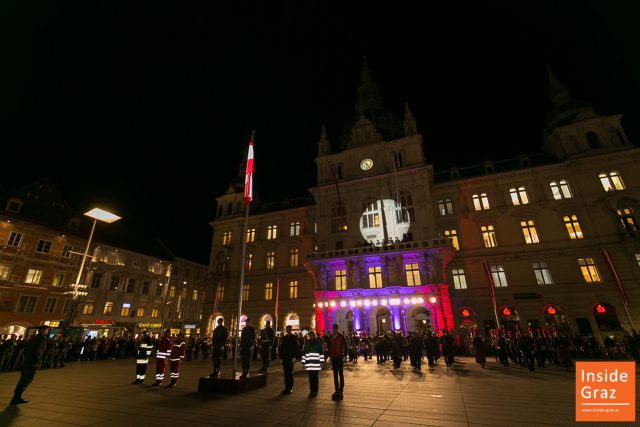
(99, 394)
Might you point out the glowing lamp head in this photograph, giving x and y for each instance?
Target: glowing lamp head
(319, 305)
(367, 303)
(414, 300)
(352, 303)
(343, 303)
(465, 313)
(432, 300)
(506, 311)
(551, 310)
(374, 303)
(407, 301)
(383, 302)
(600, 309)
(359, 303)
(420, 300)
(326, 304)
(332, 304)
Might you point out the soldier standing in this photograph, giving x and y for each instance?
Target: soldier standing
(176, 357)
(247, 342)
(164, 349)
(142, 359)
(288, 353)
(266, 341)
(33, 352)
(220, 336)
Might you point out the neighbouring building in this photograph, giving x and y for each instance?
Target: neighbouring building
(386, 243)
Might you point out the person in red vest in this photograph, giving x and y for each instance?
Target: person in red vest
(175, 359)
(164, 349)
(338, 349)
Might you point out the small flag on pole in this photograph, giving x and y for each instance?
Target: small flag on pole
(248, 178)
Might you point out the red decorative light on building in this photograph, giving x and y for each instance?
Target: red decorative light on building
(506, 311)
(551, 310)
(600, 309)
(465, 313)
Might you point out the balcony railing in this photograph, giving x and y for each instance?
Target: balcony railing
(393, 247)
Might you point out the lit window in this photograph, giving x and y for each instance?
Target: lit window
(413, 274)
(294, 229)
(480, 201)
(50, 305)
(155, 312)
(529, 231)
(573, 227)
(140, 311)
(108, 308)
(341, 280)
(338, 218)
(453, 235)
(194, 296)
(371, 215)
(220, 293)
(58, 280)
(445, 206)
(560, 190)
(26, 304)
(33, 276)
(272, 232)
(628, 220)
(248, 262)
(226, 238)
(589, 270)
(172, 292)
(251, 235)
(459, 279)
(611, 181)
(5, 271)
(245, 292)
(96, 280)
(271, 260)
(638, 259)
(125, 310)
(43, 246)
(88, 307)
(268, 291)
(488, 236)
(519, 196)
(293, 258)
(375, 277)
(14, 239)
(293, 289)
(543, 275)
(498, 275)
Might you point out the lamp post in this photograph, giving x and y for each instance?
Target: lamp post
(75, 292)
(433, 301)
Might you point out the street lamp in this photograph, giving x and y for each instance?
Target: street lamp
(77, 286)
(433, 301)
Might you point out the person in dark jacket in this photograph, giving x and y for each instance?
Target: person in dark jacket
(247, 343)
(33, 352)
(266, 341)
(220, 336)
(142, 360)
(288, 353)
(338, 349)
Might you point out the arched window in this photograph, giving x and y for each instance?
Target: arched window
(220, 211)
(229, 208)
(406, 207)
(593, 140)
(338, 218)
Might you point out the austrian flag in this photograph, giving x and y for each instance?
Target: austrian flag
(248, 178)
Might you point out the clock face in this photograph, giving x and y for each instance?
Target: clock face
(366, 164)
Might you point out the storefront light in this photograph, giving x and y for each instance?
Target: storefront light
(343, 303)
(332, 304)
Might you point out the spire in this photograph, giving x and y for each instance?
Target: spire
(368, 97)
(565, 109)
(559, 93)
(324, 145)
(410, 125)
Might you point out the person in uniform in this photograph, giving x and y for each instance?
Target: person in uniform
(33, 351)
(447, 347)
(288, 353)
(266, 341)
(337, 345)
(164, 349)
(312, 360)
(247, 342)
(142, 357)
(175, 359)
(220, 336)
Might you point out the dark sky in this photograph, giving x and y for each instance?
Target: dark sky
(147, 108)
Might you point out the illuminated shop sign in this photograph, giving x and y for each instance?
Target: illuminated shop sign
(149, 325)
(189, 326)
(102, 322)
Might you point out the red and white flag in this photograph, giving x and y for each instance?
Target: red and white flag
(248, 178)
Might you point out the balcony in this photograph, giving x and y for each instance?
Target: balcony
(393, 247)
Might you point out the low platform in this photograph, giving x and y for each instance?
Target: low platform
(228, 385)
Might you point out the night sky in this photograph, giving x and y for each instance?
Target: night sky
(147, 108)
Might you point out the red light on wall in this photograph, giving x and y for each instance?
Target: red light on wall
(551, 310)
(600, 309)
(506, 311)
(465, 313)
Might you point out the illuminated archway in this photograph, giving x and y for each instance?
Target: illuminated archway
(379, 320)
(418, 319)
(294, 320)
(555, 318)
(344, 319)
(264, 319)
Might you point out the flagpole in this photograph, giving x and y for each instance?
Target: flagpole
(618, 283)
(248, 193)
(277, 300)
(492, 291)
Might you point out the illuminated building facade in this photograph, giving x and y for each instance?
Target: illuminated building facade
(555, 235)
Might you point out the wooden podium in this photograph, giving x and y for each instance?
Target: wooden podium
(228, 385)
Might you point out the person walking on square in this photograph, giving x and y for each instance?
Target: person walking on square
(338, 350)
(142, 357)
(175, 359)
(266, 341)
(164, 349)
(447, 347)
(33, 351)
(220, 336)
(247, 342)
(312, 360)
(288, 353)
